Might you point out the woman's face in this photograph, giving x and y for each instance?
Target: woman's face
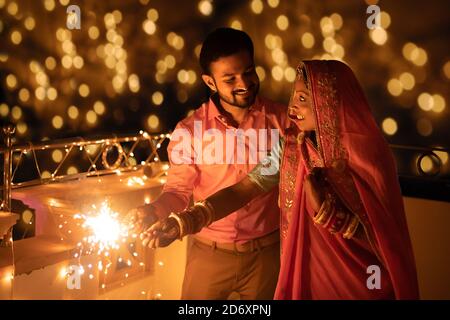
(300, 110)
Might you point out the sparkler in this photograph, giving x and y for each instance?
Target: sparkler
(105, 235)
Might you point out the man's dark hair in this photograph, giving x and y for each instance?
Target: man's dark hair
(223, 42)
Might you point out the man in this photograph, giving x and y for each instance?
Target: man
(239, 253)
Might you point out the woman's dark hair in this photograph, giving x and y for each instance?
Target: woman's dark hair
(223, 42)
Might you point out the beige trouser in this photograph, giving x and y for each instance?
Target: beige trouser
(213, 273)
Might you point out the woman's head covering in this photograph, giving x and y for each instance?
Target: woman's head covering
(360, 166)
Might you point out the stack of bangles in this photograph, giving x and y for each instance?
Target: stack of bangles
(336, 221)
(193, 219)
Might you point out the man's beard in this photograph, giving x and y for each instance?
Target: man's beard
(238, 101)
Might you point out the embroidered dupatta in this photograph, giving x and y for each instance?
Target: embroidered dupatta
(361, 170)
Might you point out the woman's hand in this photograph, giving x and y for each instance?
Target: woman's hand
(161, 234)
(315, 189)
(141, 218)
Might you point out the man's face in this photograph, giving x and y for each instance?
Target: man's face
(235, 80)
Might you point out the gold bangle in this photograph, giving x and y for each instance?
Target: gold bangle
(324, 212)
(210, 212)
(351, 229)
(180, 223)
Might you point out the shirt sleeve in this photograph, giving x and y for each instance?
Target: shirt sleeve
(183, 171)
(266, 174)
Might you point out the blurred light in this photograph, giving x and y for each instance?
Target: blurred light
(336, 20)
(446, 69)
(277, 73)
(394, 87)
(170, 61)
(45, 175)
(49, 5)
(72, 112)
(236, 24)
(424, 127)
(205, 7)
(273, 3)
(161, 66)
(27, 215)
(338, 51)
(326, 24)
(308, 40)
(426, 164)
(152, 14)
(183, 76)
(117, 16)
(407, 80)
(57, 155)
(438, 103)
(11, 81)
(109, 21)
(197, 50)
(192, 77)
(57, 122)
(24, 95)
(40, 93)
(290, 74)
(379, 36)
(442, 155)
(385, 19)
(282, 22)
(153, 122)
(425, 101)
(83, 90)
(12, 8)
(91, 117)
(22, 128)
(133, 83)
(389, 126)
(50, 63)
(16, 37)
(72, 170)
(157, 98)
(66, 61)
(52, 94)
(3, 57)
(256, 6)
(329, 43)
(419, 56)
(78, 62)
(149, 27)
(261, 73)
(93, 32)
(4, 109)
(29, 23)
(16, 112)
(279, 57)
(408, 49)
(99, 107)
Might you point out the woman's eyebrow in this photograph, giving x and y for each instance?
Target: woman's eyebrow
(302, 91)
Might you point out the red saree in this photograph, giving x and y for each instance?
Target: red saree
(316, 264)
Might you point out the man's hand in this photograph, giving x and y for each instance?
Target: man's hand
(315, 189)
(141, 218)
(161, 234)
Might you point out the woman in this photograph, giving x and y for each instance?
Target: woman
(342, 215)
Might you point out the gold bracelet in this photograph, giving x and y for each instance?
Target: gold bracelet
(210, 212)
(180, 223)
(323, 213)
(351, 229)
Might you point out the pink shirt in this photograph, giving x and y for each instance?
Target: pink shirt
(205, 157)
